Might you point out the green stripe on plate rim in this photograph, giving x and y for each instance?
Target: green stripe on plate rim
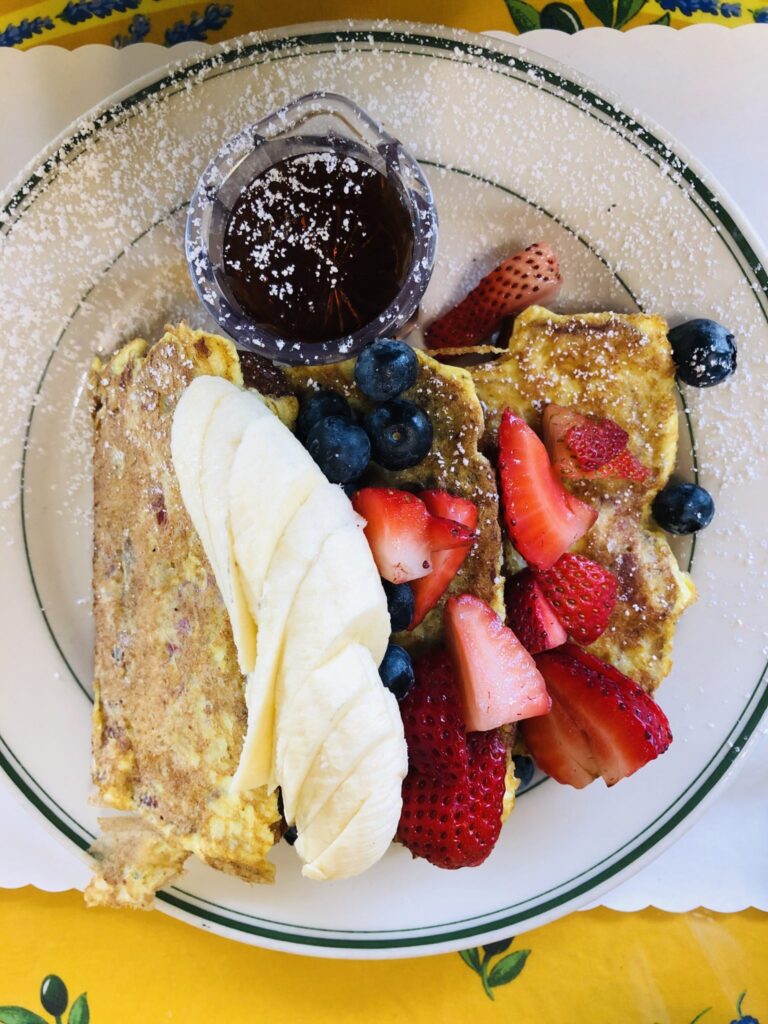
(503, 62)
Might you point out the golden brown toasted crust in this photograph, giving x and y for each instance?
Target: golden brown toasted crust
(454, 464)
(608, 365)
(169, 714)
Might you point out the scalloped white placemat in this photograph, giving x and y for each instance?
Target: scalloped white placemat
(703, 84)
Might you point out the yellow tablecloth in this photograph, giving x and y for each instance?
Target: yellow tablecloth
(124, 22)
(598, 967)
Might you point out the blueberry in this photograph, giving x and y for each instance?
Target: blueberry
(396, 671)
(524, 769)
(400, 604)
(318, 406)
(340, 449)
(349, 489)
(683, 508)
(704, 351)
(400, 433)
(54, 995)
(291, 834)
(385, 369)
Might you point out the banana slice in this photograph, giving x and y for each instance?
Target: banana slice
(325, 510)
(223, 435)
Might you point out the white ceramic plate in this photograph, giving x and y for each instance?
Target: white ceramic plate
(516, 151)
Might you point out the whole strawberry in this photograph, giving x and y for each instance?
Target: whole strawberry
(457, 826)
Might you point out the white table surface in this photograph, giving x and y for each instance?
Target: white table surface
(707, 85)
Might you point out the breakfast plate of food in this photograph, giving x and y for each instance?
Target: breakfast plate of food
(382, 491)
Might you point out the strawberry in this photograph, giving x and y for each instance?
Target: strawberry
(586, 448)
(457, 825)
(498, 678)
(605, 724)
(530, 614)
(434, 728)
(582, 594)
(398, 532)
(595, 442)
(543, 520)
(528, 277)
(428, 590)
(447, 535)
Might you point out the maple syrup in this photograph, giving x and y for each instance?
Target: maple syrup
(317, 246)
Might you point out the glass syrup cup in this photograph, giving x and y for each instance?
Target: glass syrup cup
(319, 122)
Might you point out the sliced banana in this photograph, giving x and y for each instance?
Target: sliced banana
(325, 510)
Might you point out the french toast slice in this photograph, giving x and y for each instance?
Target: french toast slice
(607, 365)
(455, 464)
(169, 715)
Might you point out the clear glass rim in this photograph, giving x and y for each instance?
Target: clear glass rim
(392, 158)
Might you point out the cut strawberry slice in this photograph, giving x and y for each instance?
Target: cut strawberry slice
(450, 506)
(543, 520)
(498, 678)
(587, 448)
(531, 616)
(428, 590)
(433, 722)
(627, 466)
(582, 594)
(457, 825)
(560, 748)
(595, 442)
(527, 278)
(447, 535)
(397, 530)
(623, 726)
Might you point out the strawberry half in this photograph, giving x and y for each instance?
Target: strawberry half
(432, 720)
(531, 616)
(605, 724)
(582, 594)
(586, 448)
(398, 532)
(543, 520)
(527, 278)
(498, 678)
(447, 535)
(428, 590)
(457, 825)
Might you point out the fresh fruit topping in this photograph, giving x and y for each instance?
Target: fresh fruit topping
(446, 535)
(385, 369)
(560, 748)
(531, 616)
(499, 679)
(400, 604)
(586, 447)
(528, 277)
(683, 508)
(434, 728)
(704, 352)
(341, 449)
(396, 671)
(582, 594)
(291, 834)
(450, 506)
(595, 442)
(397, 531)
(601, 723)
(457, 826)
(317, 406)
(543, 520)
(400, 433)
(428, 590)
(524, 769)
